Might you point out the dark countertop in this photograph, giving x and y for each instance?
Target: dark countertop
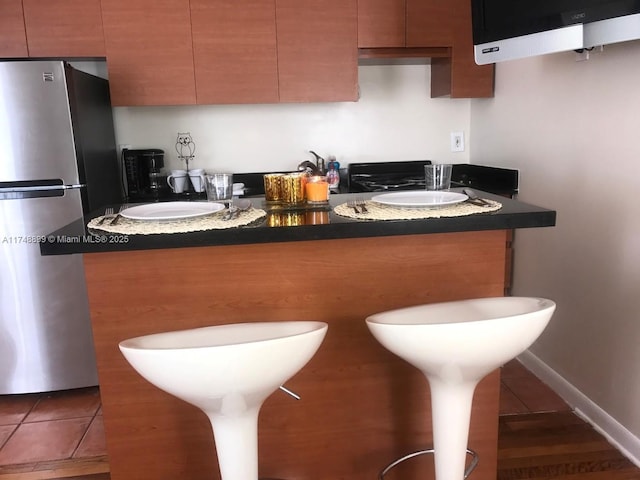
(74, 238)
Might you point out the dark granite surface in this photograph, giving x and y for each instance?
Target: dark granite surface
(75, 238)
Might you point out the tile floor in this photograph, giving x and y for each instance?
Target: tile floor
(38, 429)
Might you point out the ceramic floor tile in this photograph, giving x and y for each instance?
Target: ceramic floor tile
(509, 403)
(5, 433)
(93, 443)
(40, 441)
(533, 393)
(13, 408)
(82, 402)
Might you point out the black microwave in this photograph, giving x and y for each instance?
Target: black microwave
(510, 29)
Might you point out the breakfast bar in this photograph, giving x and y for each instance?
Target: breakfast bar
(360, 407)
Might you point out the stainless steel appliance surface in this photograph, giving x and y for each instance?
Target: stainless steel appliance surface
(58, 162)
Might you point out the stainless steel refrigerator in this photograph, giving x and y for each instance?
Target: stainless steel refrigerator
(58, 161)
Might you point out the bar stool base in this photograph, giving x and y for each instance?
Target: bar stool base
(467, 472)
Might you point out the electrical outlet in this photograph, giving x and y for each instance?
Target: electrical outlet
(457, 141)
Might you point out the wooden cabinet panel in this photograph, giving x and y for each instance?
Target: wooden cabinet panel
(149, 52)
(361, 407)
(468, 78)
(13, 41)
(317, 50)
(234, 50)
(381, 23)
(464, 78)
(64, 28)
(429, 23)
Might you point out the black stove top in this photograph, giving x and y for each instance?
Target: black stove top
(380, 182)
(409, 175)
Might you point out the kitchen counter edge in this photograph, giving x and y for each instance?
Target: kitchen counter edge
(75, 238)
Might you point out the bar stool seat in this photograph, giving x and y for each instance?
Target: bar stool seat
(227, 371)
(455, 345)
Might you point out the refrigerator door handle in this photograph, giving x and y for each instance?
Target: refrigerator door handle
(37, 188)
(18, 192)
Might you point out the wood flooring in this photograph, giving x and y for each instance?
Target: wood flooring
(558, 446)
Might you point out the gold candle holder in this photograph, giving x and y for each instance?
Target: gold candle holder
(292, 188)
(273, 187)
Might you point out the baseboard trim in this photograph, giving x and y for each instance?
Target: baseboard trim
(605, 424)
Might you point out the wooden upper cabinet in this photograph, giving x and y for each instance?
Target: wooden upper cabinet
(429, 23)
(13, 41)
(439, 29)
(381, 23)
(64, 28)
(149, 52)
(460, 76)
(404, 23)
(317, 50)
(234, 51)
(468, 78)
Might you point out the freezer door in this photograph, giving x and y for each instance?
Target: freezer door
(45, 332)
(35, 124)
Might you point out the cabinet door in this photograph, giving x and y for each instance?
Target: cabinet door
(234, 51)
(459, 76)
(468, 78)
(149, 52)
(317, 50)
(64, 28)
(429, 23)
(381, 23)
(13, 42)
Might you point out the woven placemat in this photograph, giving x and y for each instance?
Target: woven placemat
(379, 211)
(127, 226)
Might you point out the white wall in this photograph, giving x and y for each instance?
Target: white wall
(394, 120)
(572, 129)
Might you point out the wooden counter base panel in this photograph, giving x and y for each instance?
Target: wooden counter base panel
(361, 406)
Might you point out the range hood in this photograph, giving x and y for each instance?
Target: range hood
(510, 29)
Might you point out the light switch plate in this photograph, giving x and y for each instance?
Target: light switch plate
(457, 141)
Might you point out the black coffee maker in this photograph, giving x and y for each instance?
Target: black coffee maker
(143, 176)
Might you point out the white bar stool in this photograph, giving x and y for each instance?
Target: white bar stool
(228, 371)
(455, 345)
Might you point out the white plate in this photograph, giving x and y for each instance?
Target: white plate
(171, 210)
(419, 198)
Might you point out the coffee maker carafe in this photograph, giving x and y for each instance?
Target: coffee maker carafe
(142, 170)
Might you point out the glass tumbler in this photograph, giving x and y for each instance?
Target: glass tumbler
(219, 187)
(438, 176)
